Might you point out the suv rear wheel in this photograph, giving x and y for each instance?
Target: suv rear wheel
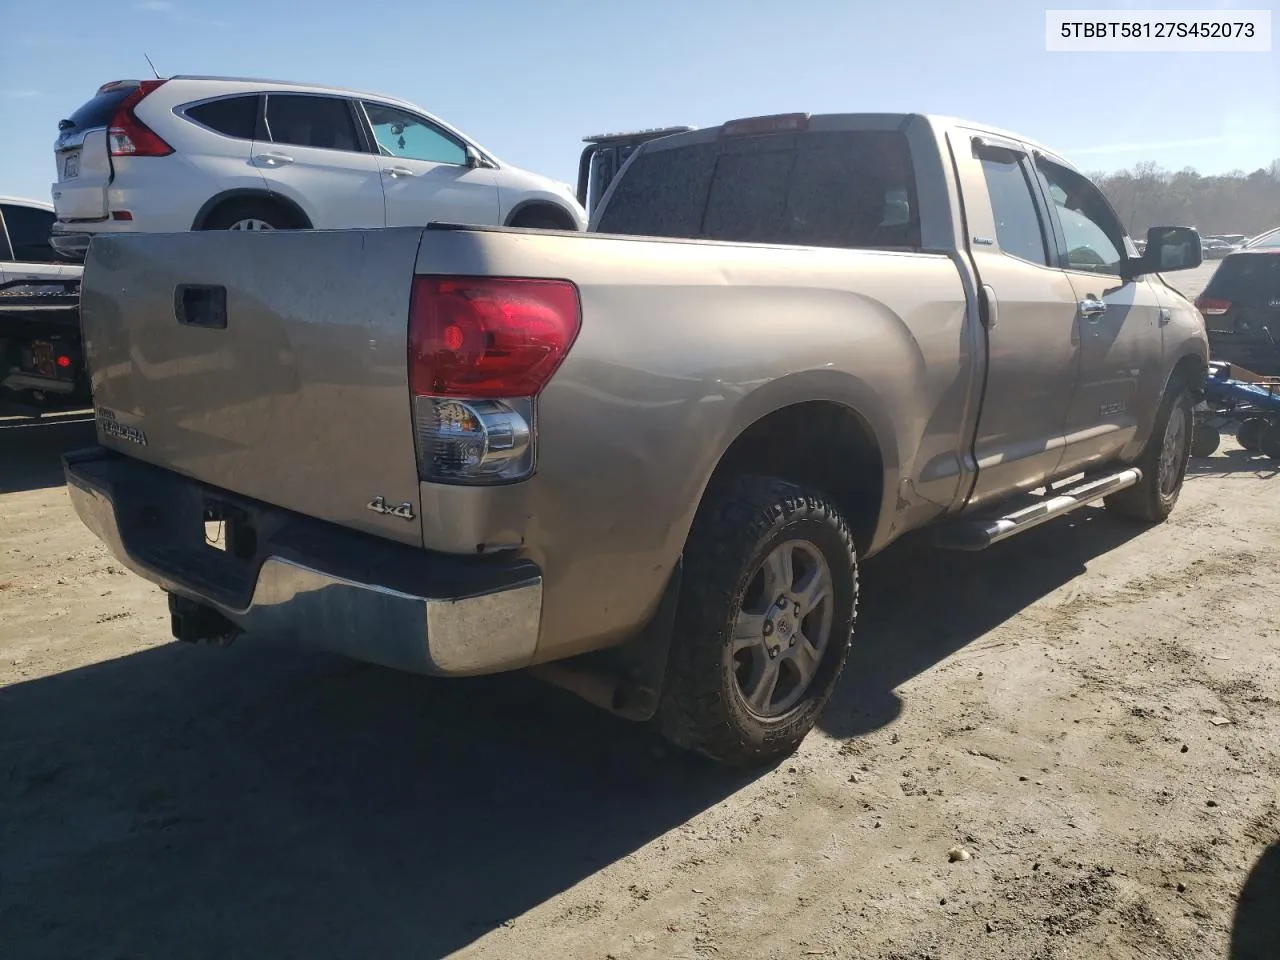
(248, 214)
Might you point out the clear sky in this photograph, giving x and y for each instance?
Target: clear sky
(529, 78)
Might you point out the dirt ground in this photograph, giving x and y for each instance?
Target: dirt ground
(1091, 712)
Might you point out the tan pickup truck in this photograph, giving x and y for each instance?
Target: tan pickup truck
(645, 460)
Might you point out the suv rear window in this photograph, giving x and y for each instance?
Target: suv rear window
(1246, 278)
(831, 189)
(231, 116)
(99, 111)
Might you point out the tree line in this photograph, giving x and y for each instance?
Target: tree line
(1237, 202)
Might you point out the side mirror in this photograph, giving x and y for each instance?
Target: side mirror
(1168, 249)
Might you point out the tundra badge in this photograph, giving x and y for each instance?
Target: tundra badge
(380, 505)
(112, 427)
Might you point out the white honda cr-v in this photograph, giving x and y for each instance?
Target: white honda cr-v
(215, 153)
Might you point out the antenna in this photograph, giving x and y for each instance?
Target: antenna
(152, 66)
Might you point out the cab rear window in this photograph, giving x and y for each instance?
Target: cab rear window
(835, 189)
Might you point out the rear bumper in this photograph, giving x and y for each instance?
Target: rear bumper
(314, 582)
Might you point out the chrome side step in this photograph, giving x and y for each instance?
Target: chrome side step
(981, 532)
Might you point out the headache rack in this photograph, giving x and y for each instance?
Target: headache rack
(604, 156)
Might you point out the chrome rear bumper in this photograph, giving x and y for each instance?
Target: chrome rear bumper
(311, 581)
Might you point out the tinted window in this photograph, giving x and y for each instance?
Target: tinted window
(1018, 229)
(401, 134)
(1247, 278)
(1093, 235)
(232, 117)
(29, 234)
(99, 111)
(308, 121)
(846, 189)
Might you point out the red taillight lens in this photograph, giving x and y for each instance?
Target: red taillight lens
(130, 137)
(483, 337)
(1212, 307)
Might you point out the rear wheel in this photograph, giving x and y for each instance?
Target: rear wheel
(248, 215)
(1163, 462)
(1250, 433)
(764, 622)
(1269, 443)
(540, 220)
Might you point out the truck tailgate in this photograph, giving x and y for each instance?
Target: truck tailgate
(271, 364)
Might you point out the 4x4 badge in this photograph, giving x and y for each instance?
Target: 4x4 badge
(380, 505)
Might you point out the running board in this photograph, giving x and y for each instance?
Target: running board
(981, 532)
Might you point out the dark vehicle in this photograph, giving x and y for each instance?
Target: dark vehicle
(1241, 308)
(40, 349)
(603, 157)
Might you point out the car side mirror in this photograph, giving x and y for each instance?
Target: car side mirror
(1168, 249)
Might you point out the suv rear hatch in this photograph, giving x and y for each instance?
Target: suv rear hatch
(1241, 308)
(273, 365)
(86, 141)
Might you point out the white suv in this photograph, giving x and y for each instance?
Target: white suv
(213, 153)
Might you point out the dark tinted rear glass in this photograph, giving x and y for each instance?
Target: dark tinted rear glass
(29, 233)
(839, 189)
(99, 111)
(1246, 278)
(310, 121)
(231, 116)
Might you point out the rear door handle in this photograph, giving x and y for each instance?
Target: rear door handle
(1092, 309)
(274, 159)
(399, 172)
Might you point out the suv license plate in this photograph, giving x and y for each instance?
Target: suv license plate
(71, 166)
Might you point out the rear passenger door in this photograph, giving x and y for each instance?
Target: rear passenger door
(1030, 318)
(315, 154)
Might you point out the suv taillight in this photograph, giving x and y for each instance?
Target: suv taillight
(128, 136)
(480, 351)
(1212, 307)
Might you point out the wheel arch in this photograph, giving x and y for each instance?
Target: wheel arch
(289, 206)
(829, 444)
(542, 205)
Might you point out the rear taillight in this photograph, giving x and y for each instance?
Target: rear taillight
(480, 351)
(130, 137)
(1212, 307)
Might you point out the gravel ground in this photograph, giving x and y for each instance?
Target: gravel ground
(1087, 715)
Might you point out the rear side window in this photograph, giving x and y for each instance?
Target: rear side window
(1018, 228)
(28, 230)
(1247, 278)
(231, 116)
(99, 111)
(308, 121)
(835, 189)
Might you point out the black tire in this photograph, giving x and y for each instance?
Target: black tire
(540, 220)
(739, 526)
(1269, 443)
(1146, 501)
(237, 211)
(1250, 433)
(1205, 440)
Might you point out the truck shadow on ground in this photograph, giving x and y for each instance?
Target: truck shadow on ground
(919, 605)
(31, 448)
(257, 801)
(1234, 462)
(1255, 933)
